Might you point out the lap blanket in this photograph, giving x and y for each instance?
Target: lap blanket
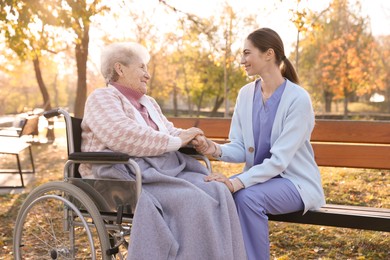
(179, 215)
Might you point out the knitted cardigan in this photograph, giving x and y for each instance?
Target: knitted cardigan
(112, 122)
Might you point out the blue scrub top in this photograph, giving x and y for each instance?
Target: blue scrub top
(263, 116)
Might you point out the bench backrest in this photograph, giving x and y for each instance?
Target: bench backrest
(26, 126)
(336, 143)
(30, 126)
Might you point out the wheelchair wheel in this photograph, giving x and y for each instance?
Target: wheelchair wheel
(59, 221)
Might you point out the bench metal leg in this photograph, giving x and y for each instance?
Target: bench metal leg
(31, 159)
(20, 171)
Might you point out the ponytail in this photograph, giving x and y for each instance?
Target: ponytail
(288, 71)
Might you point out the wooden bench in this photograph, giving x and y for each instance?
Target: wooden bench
(12, 144)
(336, 143)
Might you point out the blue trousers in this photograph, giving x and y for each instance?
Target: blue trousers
(275, 196)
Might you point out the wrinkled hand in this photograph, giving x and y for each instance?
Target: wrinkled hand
(220, 178)
(203, 145)
(189, 134)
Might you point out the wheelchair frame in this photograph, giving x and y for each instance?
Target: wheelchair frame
(88, 208)
(102, 207)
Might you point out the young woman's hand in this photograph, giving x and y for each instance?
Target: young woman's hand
(203, 145)
(220, 178)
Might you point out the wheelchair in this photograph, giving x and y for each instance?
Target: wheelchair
(80, 218)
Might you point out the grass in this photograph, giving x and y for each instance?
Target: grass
(288, 241)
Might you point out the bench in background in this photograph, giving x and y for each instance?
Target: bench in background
(336, 143)
(11, 143)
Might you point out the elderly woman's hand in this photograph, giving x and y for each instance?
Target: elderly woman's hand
(220, 178)
(205, 146)
(187, 135)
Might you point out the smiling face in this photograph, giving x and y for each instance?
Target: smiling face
(134, 76)
(253, 59)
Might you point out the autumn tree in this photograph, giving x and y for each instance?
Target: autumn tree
(208, 66)
(381, 75)
(28, 37)
(74, 16)
(304, 21)
(337, 58)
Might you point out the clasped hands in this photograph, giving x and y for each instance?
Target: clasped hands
(195, 137)
(203, 145)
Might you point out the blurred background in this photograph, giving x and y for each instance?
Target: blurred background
(50, 52)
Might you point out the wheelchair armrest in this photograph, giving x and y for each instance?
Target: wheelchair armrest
(99, 156)
(105, 157)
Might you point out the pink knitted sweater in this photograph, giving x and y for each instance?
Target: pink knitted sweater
(112, 122)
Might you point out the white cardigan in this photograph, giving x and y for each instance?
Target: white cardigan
(291, 152)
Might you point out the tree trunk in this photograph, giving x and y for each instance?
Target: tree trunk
(388, 98)
(346, 97)
(174, 96)
(328, 97)
(81, 51)
(46, 99)
(41, 84)
(218, 103)
(387, 84)
(199, 104)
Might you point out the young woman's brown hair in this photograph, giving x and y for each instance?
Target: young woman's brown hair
(266, 38)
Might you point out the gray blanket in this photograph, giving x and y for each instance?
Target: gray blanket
(179, 215)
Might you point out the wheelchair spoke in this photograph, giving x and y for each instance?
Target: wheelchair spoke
(50, 228)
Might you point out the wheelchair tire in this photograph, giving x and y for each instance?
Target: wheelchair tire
(57, 221)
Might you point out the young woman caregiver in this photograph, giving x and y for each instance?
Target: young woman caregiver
(270, 131)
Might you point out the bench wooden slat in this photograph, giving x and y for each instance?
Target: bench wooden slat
(12, 145)
(212, 127)
(351, 131)
(352, 155)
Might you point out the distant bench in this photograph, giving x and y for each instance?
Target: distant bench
(12, 144)
(336, 143)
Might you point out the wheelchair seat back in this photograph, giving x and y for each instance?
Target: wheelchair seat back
(74, 137)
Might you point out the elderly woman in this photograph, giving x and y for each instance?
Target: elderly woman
(179, 215)
(121, 117)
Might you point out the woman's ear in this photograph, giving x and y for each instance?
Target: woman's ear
(270, 53)
(118, 68)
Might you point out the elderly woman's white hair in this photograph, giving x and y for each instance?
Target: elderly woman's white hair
(122, 52)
